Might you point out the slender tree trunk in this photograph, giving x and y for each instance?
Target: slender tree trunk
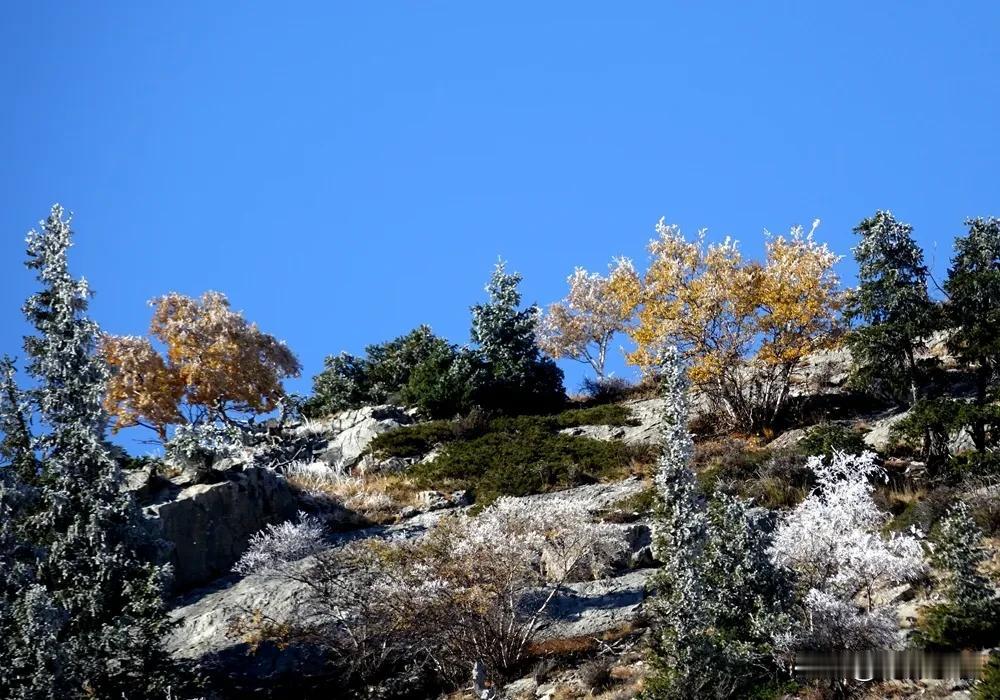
(982, 392)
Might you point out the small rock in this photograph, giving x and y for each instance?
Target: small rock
(433, 500)
(521, 689)
(546, 692)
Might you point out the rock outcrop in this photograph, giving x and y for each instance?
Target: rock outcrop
(584, 608)
(647, 414)
(344, 437)
(206, 527)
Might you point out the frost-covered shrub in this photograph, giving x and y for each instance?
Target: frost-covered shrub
(474, 589)
(833, 543)
(198, 446)
(277, 545)
(969, 615)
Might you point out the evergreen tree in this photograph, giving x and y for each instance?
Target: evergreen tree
(973, 310)
(29, 620)
(15, 447)
(720, 602)
(519, 378)
(108, 597)
(893, 303)
(969, 617)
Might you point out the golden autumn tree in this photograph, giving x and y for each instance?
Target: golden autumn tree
(743, 325)
(581, 326)
(217, 365)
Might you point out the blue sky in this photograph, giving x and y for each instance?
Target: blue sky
(345, 172)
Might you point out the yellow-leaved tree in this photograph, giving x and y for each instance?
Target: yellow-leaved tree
(216, 366)
(581, 326)
(743, 325)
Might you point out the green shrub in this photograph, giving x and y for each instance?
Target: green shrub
(822, 440)
(988, 685)
(607, 414)
(522, 455)
(954, 626)
(342, 384)
(384, 375)
(444, 383)
(413, 440)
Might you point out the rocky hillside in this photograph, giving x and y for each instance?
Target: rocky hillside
(371, 474)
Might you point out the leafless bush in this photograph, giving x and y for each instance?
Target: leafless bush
(473, 589)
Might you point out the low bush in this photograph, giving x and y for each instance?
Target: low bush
(824, 439)
(952, 626)
(416, 440)
(523, 455)
(605, 414)
(606, 389)
(725, 460)
(988, 685)
(413, 440)
(771, 478)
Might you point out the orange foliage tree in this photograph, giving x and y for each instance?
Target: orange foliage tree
(217, 365)
(743, 325)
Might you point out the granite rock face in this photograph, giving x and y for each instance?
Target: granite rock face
(646, 413)
(206, 527)
(583, 608)
(345, 436)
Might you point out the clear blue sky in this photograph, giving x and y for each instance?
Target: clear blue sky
(346, 171)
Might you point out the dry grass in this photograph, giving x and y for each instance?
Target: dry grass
(578, 645)
(379, 498)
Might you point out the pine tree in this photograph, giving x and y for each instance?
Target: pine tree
(109, 598)
(973, 311)
(29, 620)
(680, 539)
(15, 448)
(969, 616)
(893, 303)
(719, 601)
(519, 377)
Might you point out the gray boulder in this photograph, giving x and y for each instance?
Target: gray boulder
(647, 413)
(206, 527)
(347, 435)
(590, 608)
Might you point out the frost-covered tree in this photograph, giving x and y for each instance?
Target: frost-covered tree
(29, 621)
(893, 304)
(969, 615)
(833, 542)
(518, 377)
(582, 325)
(681, 528)
(720, 602)
(15, 446)
(93, 578)
(973, 311)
